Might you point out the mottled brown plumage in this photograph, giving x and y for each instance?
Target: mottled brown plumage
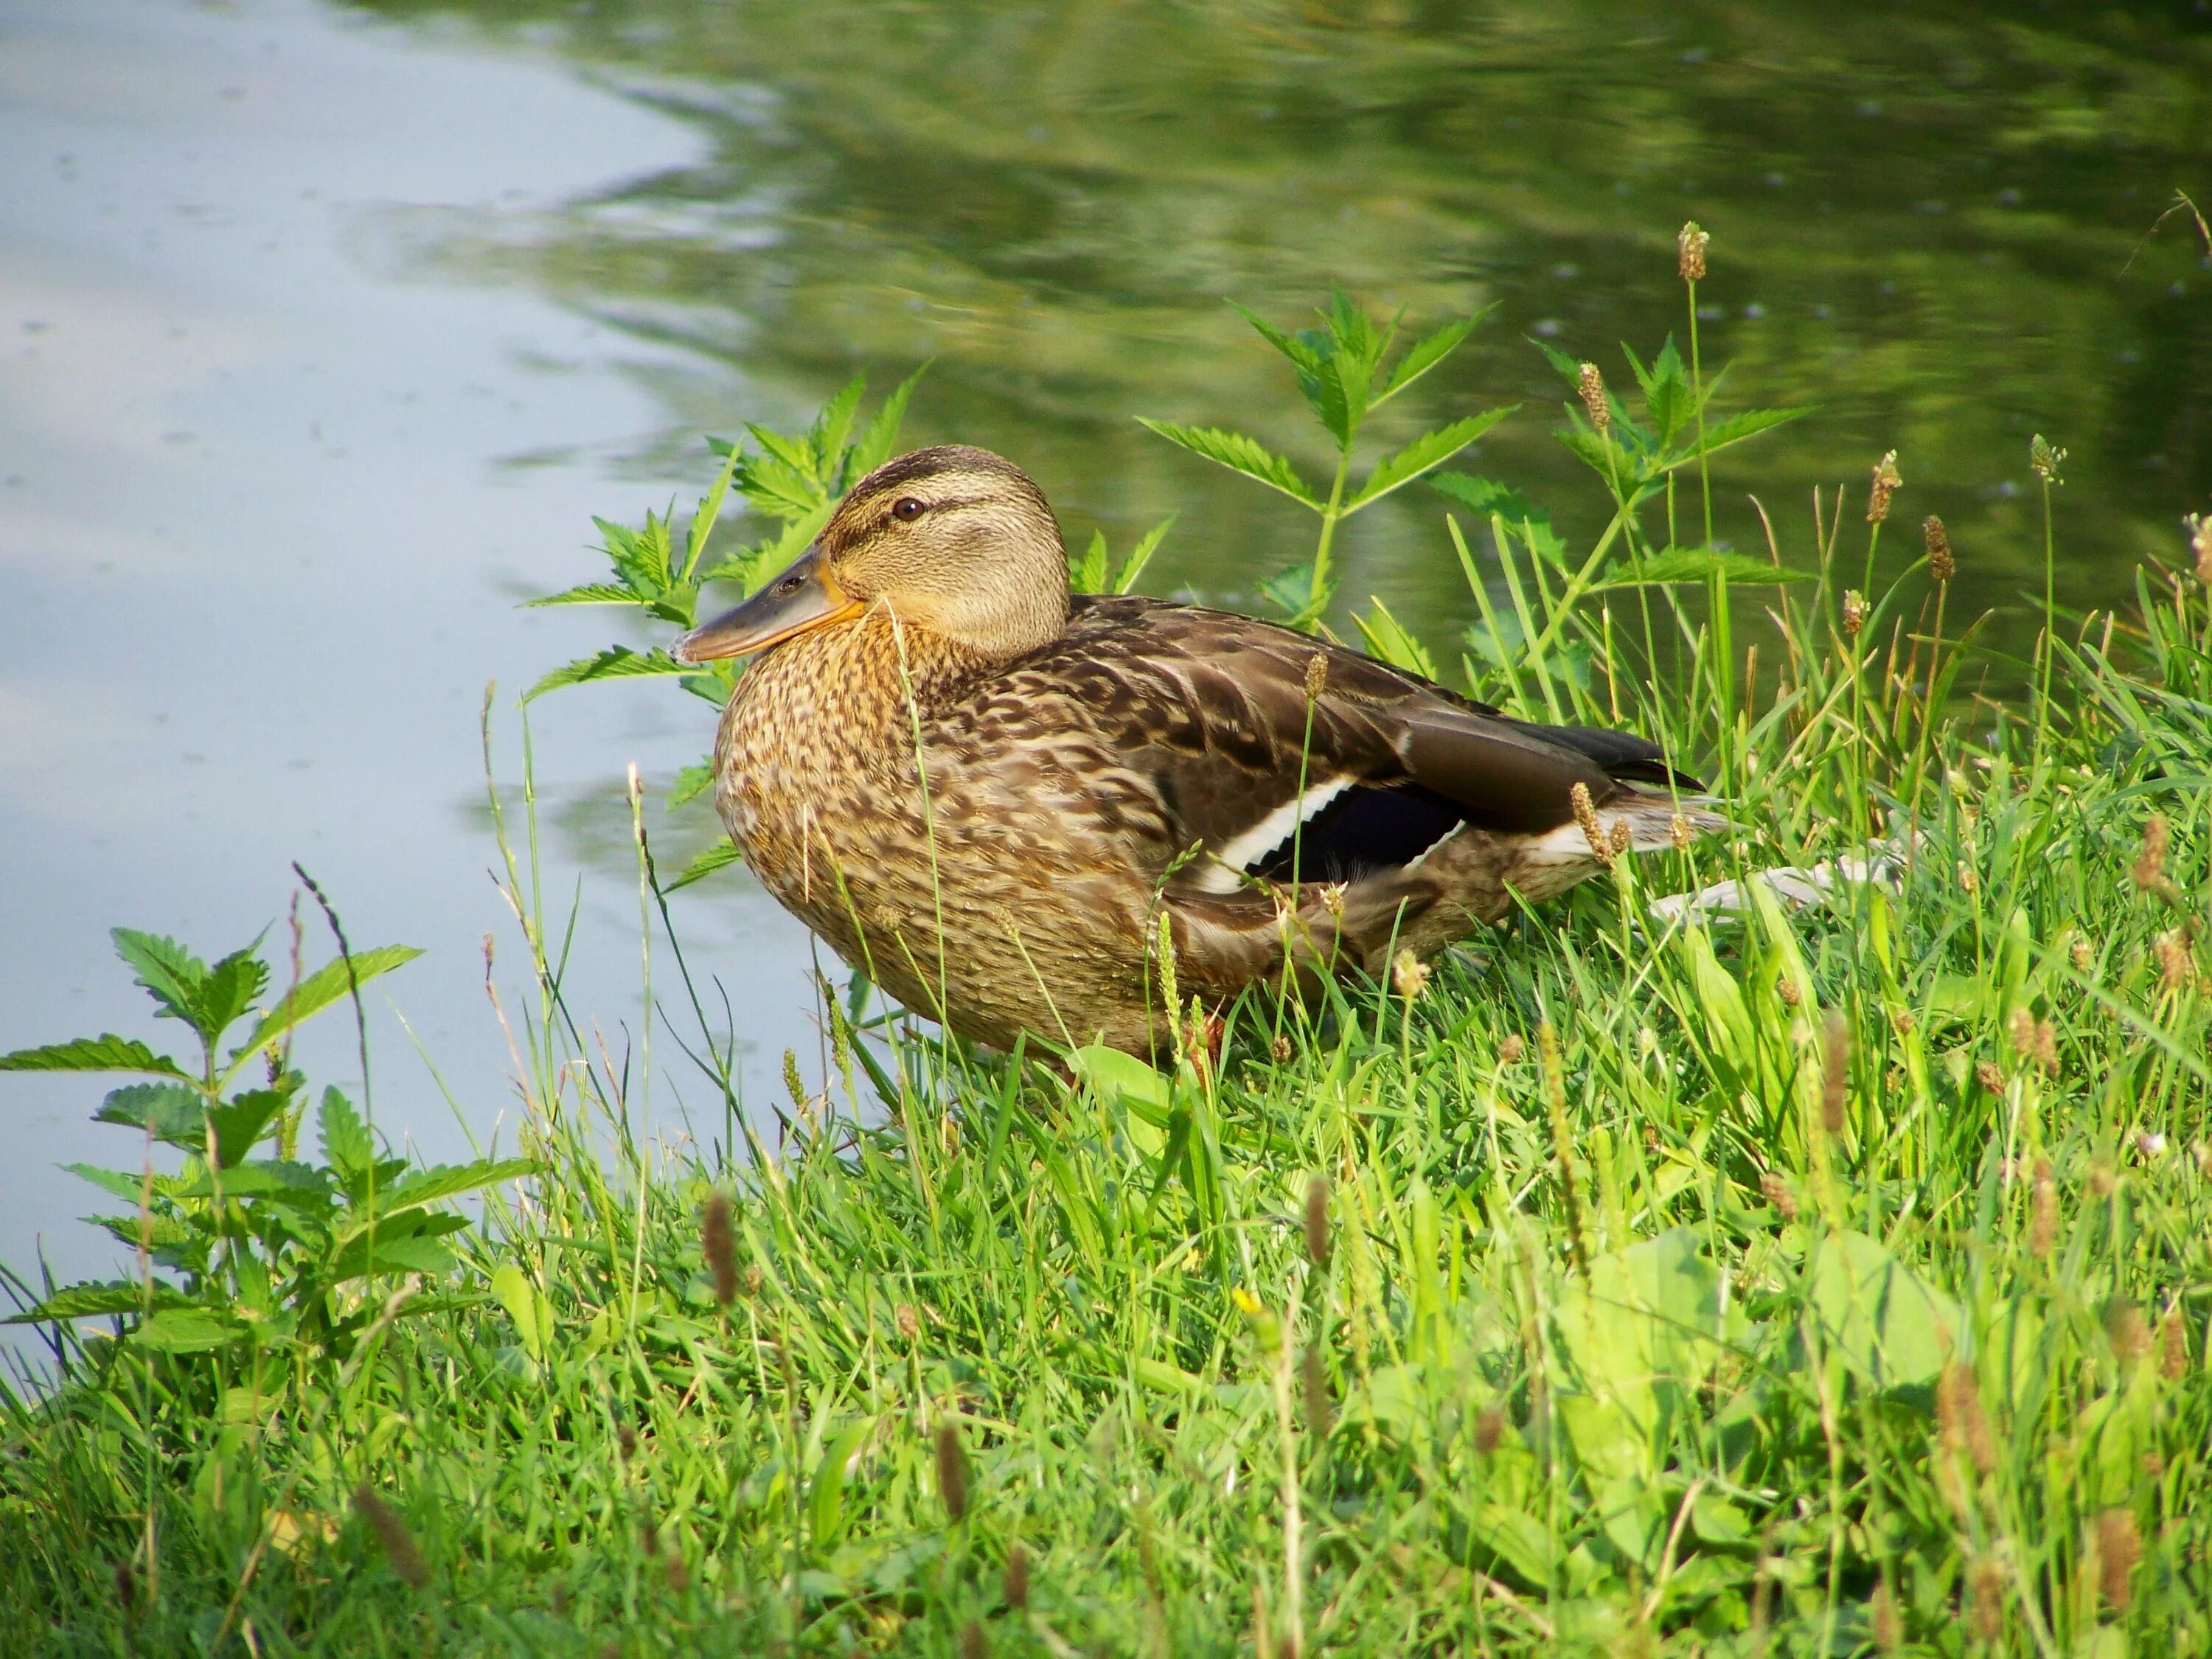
(983, 793)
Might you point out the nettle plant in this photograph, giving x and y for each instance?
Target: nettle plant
(273, 1251)
(1534, 647)
(794, 482)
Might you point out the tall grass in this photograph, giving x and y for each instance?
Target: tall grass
(1819, 1278)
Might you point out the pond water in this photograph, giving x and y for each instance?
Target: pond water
(328, 328)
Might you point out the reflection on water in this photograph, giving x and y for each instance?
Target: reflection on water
(331, 324)
(1932, 223)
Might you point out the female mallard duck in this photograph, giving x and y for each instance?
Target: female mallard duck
(984, 793)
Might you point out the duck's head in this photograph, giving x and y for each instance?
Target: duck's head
(953, 541)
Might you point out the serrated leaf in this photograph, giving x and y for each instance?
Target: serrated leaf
(705, 516)
(1425, 355)
(344, 1138)
(319, 990)
(1694, 564)
(108, 1053)
(173, 1112)
(874, 445)
(1388, 639)
(1290, 592)
(1238, 454)
(163, 1235)
(588, 593)
(242, 1121)
(723, 853)
(1426, 452)
(409, 1253)
(164, 969)
(1749, 424)
(1296, 348)
(92, 1301)
(689, 783)
(1141, 554)
(116, 1183)
(228, 991)
(615, 663)
(1486, 495)
(187, 1330)
(447, 1180)
(833, 425)
(1089, 574)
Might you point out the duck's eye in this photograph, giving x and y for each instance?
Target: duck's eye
(789, 584)
(907, 510)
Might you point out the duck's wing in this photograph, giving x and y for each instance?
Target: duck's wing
(1276, 755)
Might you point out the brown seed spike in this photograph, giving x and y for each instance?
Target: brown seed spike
(951, 1470)
(1513, 1048)
(1489, 1429)
(2200, 542)
(1941, 564)
(1887, 481)
(717, 1239)
(1690, 251)
(1775, 1188)
(2119, 1547)
(1881, 1613)
(1316, 676)
(1591, 384)
(2043, 1210)
(1017, 1586)
(2149, 871)
(1836, 1073)
(1317, 1220)
(974, 1645)
(1586, 815)
(1985, 1590)
(1321, 1413)
(2172, 1344)
(2126, 1330)
(399, 1545)
(908, 1321)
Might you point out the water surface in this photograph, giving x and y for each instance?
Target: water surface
(329, 327)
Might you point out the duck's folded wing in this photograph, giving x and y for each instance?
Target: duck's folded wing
(1277, 755)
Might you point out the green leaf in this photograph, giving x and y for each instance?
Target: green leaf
(92, 1301)
(615, 662)
(406, 1253)
(1089, 574)
(328, 983)
(167, 971)
(100, 1053)
(1640, 1332)
(1290, 592)
(1296, 348)
(1487, 496)
(1388, 639)
(530, 1308)
(876, 441)
(1890, 1327)
(228, 991)
(825, 1503)
(449, 1180)
(1239, 454)
(1667, 398)
(242, 1121)
(188, 1330)
(173, 1112)
(833, 426)
(1749, 424)
(116, 1183)
(344, 1138)
(722, 852)
(689, 784)
(1141, 554)
(1425, 355)
(588, 593)
(1430, 450)
(1694, 564)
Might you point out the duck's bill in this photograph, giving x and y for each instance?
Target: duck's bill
(804, 597)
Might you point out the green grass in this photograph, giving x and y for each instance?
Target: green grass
(1810, 1280)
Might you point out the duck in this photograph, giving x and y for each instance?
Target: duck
(1003, 802)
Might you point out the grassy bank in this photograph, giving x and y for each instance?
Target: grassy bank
(1807, 1275)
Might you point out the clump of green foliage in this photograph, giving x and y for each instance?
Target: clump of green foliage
(1817, 1264)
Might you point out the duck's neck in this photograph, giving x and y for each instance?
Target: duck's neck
(868, 673)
